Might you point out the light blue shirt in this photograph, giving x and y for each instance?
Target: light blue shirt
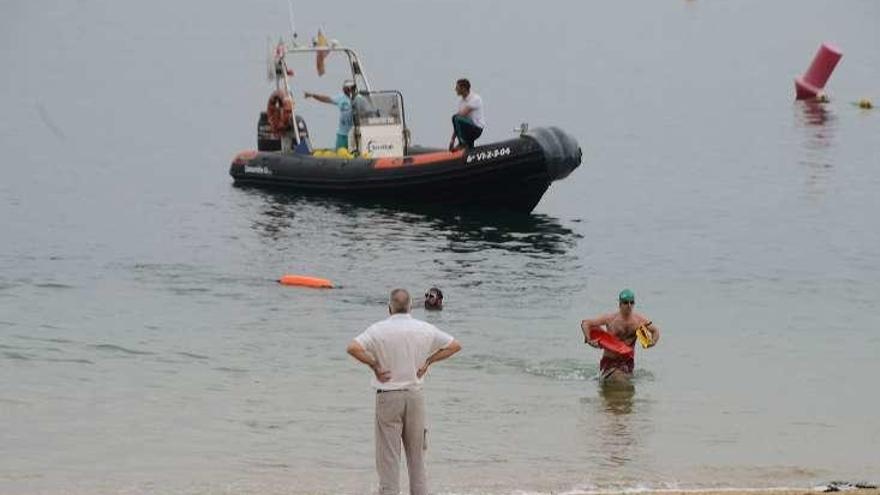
(346, 120)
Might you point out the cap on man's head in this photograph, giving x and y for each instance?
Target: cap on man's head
(626, 295)
(348, 83)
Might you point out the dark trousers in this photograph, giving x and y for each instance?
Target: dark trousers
(465, 130)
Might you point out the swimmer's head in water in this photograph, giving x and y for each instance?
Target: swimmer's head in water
(626, 299)
(433, 298)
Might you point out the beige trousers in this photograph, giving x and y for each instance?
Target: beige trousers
(400, 418)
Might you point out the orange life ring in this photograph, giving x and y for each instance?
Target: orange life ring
(280, 112)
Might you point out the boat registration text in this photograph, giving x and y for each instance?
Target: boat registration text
(248, 169)
(488, 155)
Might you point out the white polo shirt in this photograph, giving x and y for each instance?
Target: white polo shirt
(401, 344)
(475, 103)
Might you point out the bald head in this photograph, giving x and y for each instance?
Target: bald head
(399, 302)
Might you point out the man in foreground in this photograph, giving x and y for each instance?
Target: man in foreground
(623, 324)
(399, 350)
(467, 123)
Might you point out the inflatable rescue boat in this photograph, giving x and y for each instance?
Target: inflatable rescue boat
(382, 165)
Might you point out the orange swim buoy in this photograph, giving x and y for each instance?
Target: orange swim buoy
(280, 111)
(305, 281)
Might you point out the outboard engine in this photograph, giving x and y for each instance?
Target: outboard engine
(267, 140)
(305, 144)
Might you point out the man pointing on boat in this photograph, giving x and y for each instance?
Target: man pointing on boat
(346, 116)
(623, 326)
(399, 351)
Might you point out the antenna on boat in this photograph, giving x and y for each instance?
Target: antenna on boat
(270, 60)
(292, 25)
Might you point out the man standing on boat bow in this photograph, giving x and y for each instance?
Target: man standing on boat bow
(467, 123)
(346, 117)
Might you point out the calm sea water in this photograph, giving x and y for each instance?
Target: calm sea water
(144, 347)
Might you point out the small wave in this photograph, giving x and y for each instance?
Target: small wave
(161, 267)
(184, 291)
(266, 425)
(184, 279)
(576, 370)
(16, 356)
(20, 476)
(54, 285)
(229, 369)
(192, 355)
(70, 360)
(270, 465)
(564, 370)
(119, 348)
(54, 340)
(489, 361)
(813, 424)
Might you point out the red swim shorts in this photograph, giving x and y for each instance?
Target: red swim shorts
(609, 365)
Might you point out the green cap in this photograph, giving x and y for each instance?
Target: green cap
(626, 295)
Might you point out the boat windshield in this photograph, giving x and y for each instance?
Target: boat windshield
(378, 108)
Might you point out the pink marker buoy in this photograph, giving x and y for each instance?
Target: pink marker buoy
(810, 84)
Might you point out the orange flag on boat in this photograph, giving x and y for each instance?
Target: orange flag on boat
(321, 42)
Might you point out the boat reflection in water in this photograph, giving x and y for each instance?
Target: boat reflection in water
(517, 258)
(282, 215)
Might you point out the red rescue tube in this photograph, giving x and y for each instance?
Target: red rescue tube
(305, 281)
(610, 342)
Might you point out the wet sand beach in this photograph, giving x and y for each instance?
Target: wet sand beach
(745, 491)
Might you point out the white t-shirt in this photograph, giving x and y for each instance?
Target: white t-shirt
(401, 344)
(475, 103)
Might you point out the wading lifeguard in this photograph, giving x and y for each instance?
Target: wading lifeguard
(626, 325)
